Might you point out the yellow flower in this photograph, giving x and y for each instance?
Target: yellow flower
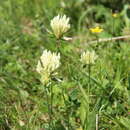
(96, 30)
(80, 128)
(88, 57)
(114, 15)
(60, 25)
(47, 64)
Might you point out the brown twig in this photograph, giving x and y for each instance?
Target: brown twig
(96, 121)
(110, 39)
(102, 39)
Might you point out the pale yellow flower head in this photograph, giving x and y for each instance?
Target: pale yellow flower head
(47, 64)
(60, 25)
(88, 57)
(96, 30)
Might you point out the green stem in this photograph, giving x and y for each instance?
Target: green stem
(89, 83)
(97, 39)
(86, 97)
(113, 26)
(95, 81)
(89, 73)
(51, 104)
(83, 92)
(67, 109)
(48, 105)
(58, 45)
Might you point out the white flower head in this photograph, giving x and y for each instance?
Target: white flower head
(47, 64)
(88, 57)
(60, 25)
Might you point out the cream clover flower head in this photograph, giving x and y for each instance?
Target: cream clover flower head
(88, 57)
(60, 25)
(47, 64)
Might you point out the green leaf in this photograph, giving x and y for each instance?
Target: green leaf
(125, 122)
(91, 121)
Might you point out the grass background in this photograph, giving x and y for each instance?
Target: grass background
(23, 36)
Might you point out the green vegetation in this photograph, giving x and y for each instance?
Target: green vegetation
(80, 96)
